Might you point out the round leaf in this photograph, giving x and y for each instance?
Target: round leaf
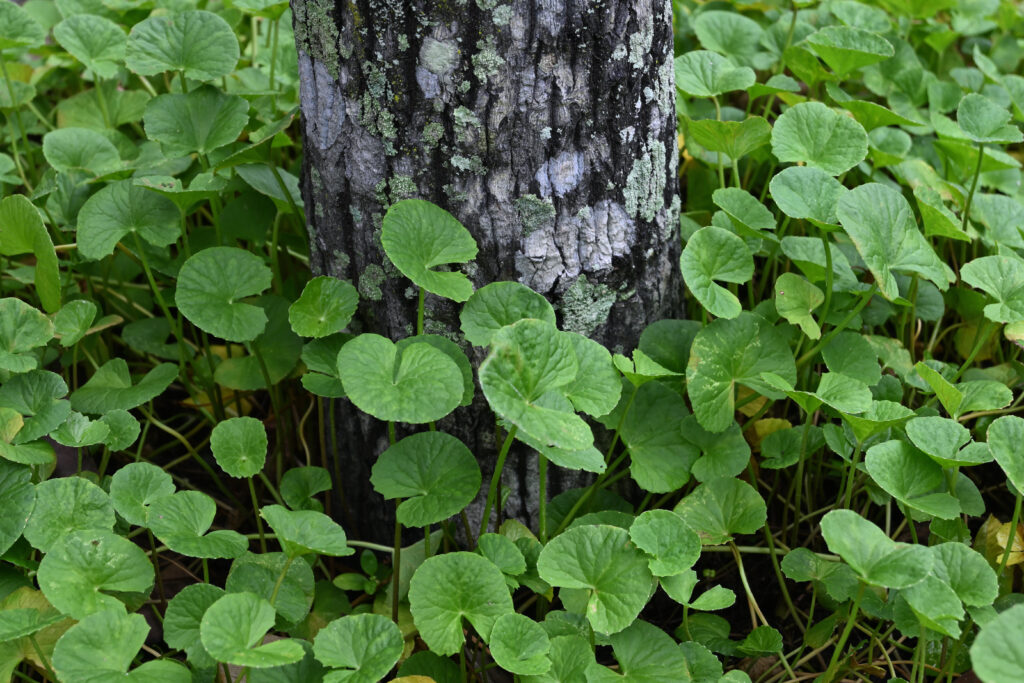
(110, 387)
(96, 42)
(820, 137)
(181, 521)
(878, 560)
(199, 122)
(364, 646)
(967, 572)
(239, 445)
(80, 149)
(847, 48)
(418, 236)
(272, 576)
(673, 546)
(939, 437)
(73, 320)
(716, 254)
(434, 471)
(520, 645)
(447, 588)
(325, 307)
(18, 29)
(911, 477)
(998, 651)
(66, 505)
(1005, 436)
(807, 192)
(421, 385)
(301, 532)
(135, 486)
(602, 560)
(210, 284)
(22, 328)
(233, 626)
(499, 304)
(748, 215)
(985, 121)
(1002, 278)
(183, 616)
(735, 139)
(196, 42)
(720, 508)
(17, 497)
(706, 74)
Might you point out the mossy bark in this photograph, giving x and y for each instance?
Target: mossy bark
(546, 126)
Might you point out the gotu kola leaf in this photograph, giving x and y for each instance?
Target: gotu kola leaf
(111, 388)
(303, 532)
(120, 209)
(201, 121)
(198, 43)
(911, 477)
(498, 304)
(239, 446)
(702, 73)
(233, 627)
(998, 651)
(520, 645)
(24, 233)
(1002, 278)
(712, 254)
(722, 507)
(98, 43)
(363, 646)
(22, 328)
(876, 558)
(181, 522)
(326, 306)
(820, 137)
(210, 284)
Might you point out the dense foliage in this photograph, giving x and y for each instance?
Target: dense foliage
(818, 474)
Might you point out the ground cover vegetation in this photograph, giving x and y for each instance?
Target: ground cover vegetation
(819, 475)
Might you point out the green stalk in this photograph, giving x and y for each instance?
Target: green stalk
(10, 124)
(803, 360)
(1015, 520)
(848, 489)
(419, 312)
(102, 101)
(492, 492)
(974, 186)
(259, 522)
(280, 578)
(542, 497)
(396, 553)
(833, 664)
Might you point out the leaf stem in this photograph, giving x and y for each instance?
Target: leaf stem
(495, 481)
(542, 497)
(974, 186)
(833, 664)
(1012, 535)
(804, 359)
(256, 513)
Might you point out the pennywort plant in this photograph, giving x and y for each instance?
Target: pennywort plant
(818, 474)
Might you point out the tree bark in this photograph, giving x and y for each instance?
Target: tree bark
(547, 127)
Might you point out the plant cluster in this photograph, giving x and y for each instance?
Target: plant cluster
(826, 453)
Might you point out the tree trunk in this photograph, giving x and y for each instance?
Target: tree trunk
(547, 127)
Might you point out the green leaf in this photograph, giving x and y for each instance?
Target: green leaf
(325, 307)
(183, 616)
(196, 42)
(706, 74)
(233, 627)
(938, 220)
(181, 522)
(949, 396)
(847, 48)
(1005, 436)
(940, 438)
(420, 385)
(728, 352)
(301, 532)
(850, 354)
(812, 133)
(503, 552)
(198, 122)
(18, 29)
(102, 646)
(808, 192)
(1002, 278)
(749, 215)
(447, 588)
(876, 558)
(272, 576)
(499, 304)
(673, 546)
(935, 605)
(520, 645)
(735, 139)
(136, 485)
(602, 561)
(982, 120)
(98, 43)
(66, 505)
(364, 647)
(646, 654)
(76, 574)
(997, 652)
(22, 329)
(795, 299)
(202, 186)
(110, 387)
(78, 431)
(763, 640)
(17, 497)
(597, 386)
(18, 623)
(418, 236)
(660, 455)
(434, 471)
(300, 484)
(279, 347)
(24, 233)
(80, 149)
(881, 415)
(808, 254)
(715, 254)
(965, 571)
(667, 342)
(911, 477)
(262, 179)
(732, 34)
(73, 320)
(720, 508)
(239, 446)
(882, 226)
(210, 284)
(36, 396)
(527, 360)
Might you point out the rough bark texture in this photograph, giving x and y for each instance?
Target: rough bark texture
(546, 126)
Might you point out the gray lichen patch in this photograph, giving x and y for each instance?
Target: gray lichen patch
(640, 42)
(561, 174)
(535, 213)
(402, 187)
(468, 128)
(471, 164)
(644, 192)
(486, 4)
(438, 57)
(502, 15)
(585, 306)
(316, 34)
(370, 281)
(487, 61)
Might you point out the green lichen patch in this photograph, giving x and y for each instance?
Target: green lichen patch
(433, 131)
(472, 164)
(502, 15)
(644, 192)
(317, 34)
(534, 212)
(487, 61)
(585, 306)
(370, 281)
(438, 57)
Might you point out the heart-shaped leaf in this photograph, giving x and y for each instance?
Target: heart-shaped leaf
(848, 48)
(732, 34)
(646, 654)
(997, 653)
(78, 431)
(274, 577)
(982, 120)
(748, 215)
(75, 575)
(18, 29)
(17, 497)
(702, 73)
(660, 455)
(210, 284)
(939, 437)
(420, 385)
(520, 645)
(184, 614)
(196, 42)
(728, 352)
(965, 571)
(204, 119)
(603, 561)
(735, 139)
(111, 388)
(301, 532)
(22, 329)
(136, 485)
(820, 137)
(808, 192)
(715, 254)
(73, 320)
(66, 505)
(881, 224)
(239, 446)
(326, 306)
(498, 304)
(364, 647)
(447, 588)
(435, 472)
(181, 522)
(24, 233)
(795, 299)
(672, 545)
(97, 42)
(418, 236)
(233, 627)
(79, 149)
(720, 508)
(911, 477)
(1002, 278)
(935, 605)
(1005, 436)
(876, 558)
